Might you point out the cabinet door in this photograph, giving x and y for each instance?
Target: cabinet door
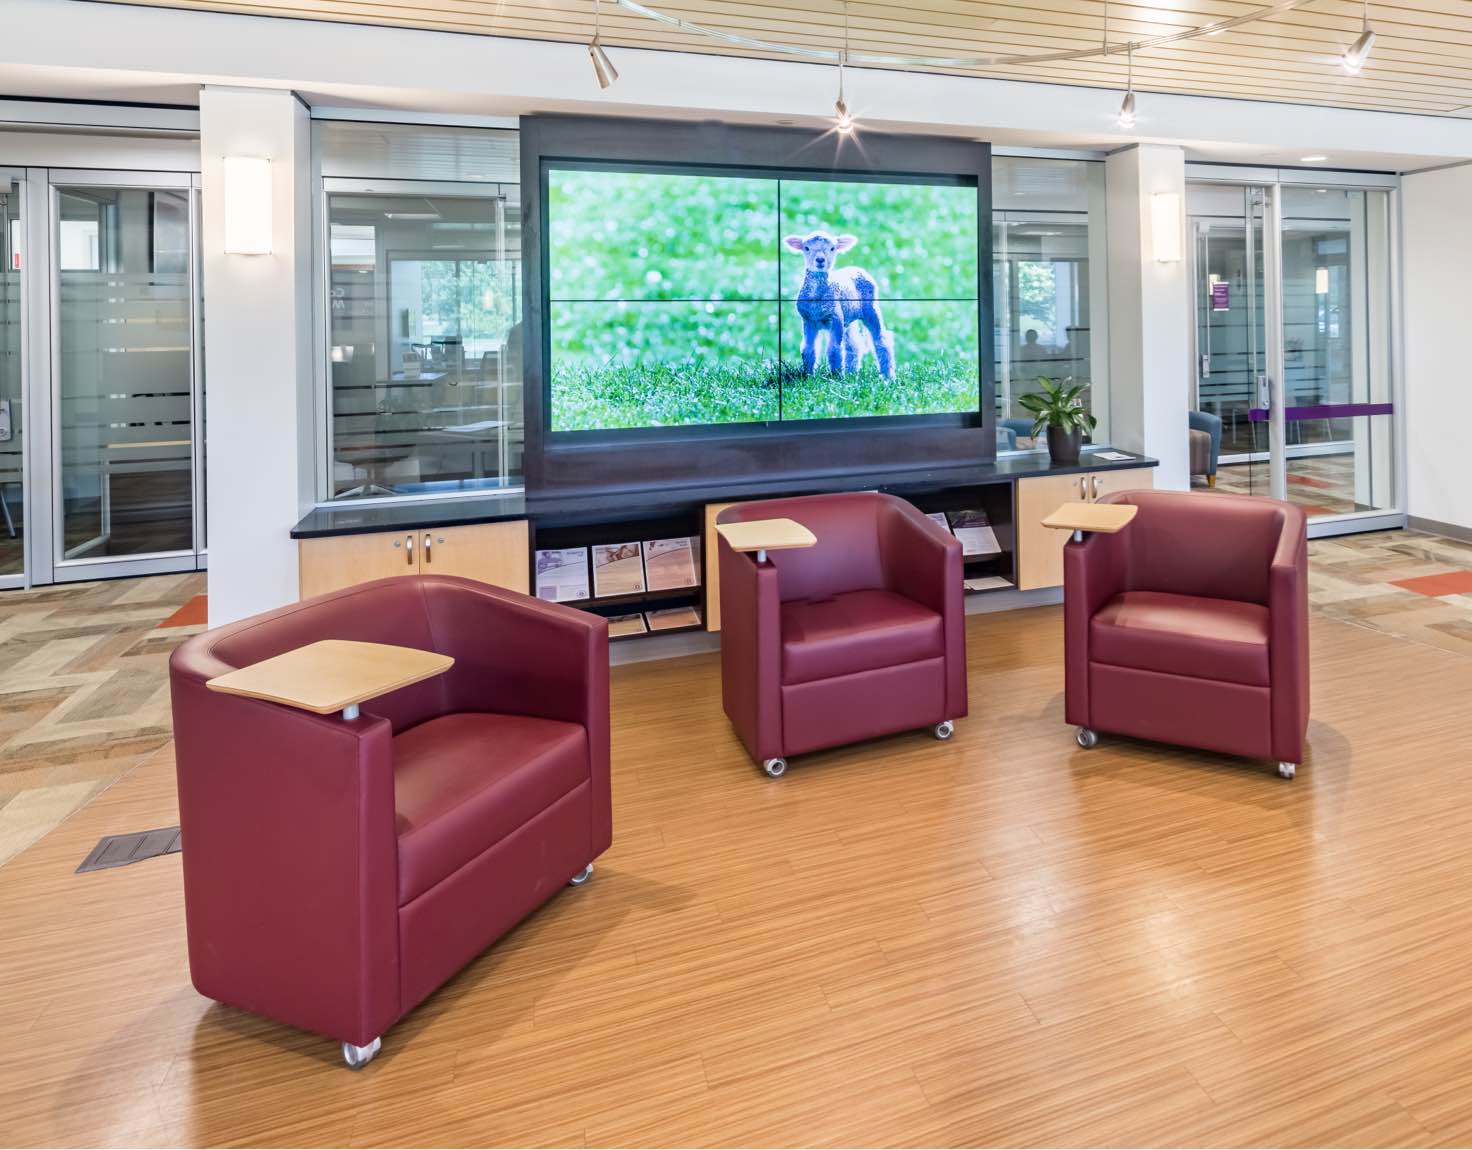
(1130, 479)
(494, 553)
(344, 560)
(713, 567)
(1039, 548)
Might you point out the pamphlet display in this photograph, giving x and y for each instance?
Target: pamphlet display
(672, 618)
(939, 517)
(987, 583)
(618, 569)
(974, 531)
(621, 626)
(670, 564)
(562, 575)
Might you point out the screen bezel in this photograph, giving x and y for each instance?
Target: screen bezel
(702, 454)
(695, 430)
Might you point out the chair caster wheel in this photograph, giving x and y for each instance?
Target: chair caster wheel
(945, 730)
(1086, 738)
(358, 1057)
(582, 876)
(1287, 770)
(775, 768)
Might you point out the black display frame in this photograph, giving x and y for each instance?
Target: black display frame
(634, 459)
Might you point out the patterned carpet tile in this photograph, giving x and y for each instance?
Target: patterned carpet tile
(83, 692)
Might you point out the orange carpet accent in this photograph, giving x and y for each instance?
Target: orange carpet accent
(192, 614)
(1447, 583)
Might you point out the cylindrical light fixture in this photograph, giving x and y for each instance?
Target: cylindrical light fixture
(602, 66)
(843, 119)
(1126, 117)
(247, 206)
(1357, 54)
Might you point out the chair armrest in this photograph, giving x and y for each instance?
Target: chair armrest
(291, 855)
(751, 650)
(926, 564)
(518, 655)
(1288, 651)
(1094, 571)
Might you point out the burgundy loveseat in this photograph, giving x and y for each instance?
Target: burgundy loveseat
(1190, 626)
(337, 871)
(862, 635)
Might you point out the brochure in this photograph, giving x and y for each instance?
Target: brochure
(672, 617)
(562, 575)
(621, 626)
(987, 583)
(939, 517)
(618, 569)
(974, 531)
(1112, 456)
(672, 563)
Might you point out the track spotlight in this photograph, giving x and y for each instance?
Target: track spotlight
(1355, 56)
(1126, 117)
(602, 66)
(843, 119)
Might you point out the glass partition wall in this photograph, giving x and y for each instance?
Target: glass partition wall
(12, 405)
(423, 339)
(1293, 299)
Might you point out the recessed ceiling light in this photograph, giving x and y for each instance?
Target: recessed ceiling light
(1312, 159)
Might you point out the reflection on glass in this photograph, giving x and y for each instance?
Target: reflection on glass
(125, 365)
(425, 343)
(12, 514)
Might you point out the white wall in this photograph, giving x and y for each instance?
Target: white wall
(258, 356)
(1149, 314)
(1437, 246)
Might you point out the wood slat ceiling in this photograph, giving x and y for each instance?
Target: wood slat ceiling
(1422, 61)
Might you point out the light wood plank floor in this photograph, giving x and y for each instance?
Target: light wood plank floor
(1000, 939)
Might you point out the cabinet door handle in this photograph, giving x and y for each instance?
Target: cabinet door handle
(427, 555)
(1094, 485)
(409, 555)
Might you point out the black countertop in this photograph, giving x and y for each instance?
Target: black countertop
(413, 515)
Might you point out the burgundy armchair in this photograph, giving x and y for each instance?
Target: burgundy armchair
(336, 872)
(862, 635)
(1190, 626)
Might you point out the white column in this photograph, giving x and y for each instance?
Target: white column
(258, 355)
(1149, 313)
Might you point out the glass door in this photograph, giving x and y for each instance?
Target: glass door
(124, 378)
(1293, 342)
(12, 397)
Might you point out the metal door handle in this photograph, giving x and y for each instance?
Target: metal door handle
(1094, 485)
(409, 555)
(427, 556)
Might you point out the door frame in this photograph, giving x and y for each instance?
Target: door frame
(1273, 181)
(47, 549)
(23, 427)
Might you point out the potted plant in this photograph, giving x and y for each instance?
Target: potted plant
(1060, 409)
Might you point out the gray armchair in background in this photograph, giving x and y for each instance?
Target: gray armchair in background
(1206, 443)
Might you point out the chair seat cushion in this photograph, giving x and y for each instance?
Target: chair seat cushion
(464, 781)
(1219, 639)
(855, 631)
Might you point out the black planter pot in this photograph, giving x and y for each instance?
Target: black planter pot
(1063, 446)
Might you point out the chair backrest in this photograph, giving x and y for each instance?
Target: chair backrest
(846, 557)
(385, 611)
(1215, 545)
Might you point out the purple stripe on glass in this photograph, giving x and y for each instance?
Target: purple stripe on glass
(1324, 411)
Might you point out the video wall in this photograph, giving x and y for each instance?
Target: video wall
(690, 298)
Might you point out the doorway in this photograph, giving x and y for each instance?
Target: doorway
(101, 466)
(1293, 293)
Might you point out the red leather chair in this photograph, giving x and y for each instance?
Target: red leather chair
(337, 872)
(862, 635)
(1190, 626)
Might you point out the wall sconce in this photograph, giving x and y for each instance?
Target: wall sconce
(1165, 226)
(247, 206)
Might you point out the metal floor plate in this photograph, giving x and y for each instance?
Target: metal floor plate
(120, 850)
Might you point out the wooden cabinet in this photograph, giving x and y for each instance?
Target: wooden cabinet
(1040, 549)
(495, 553)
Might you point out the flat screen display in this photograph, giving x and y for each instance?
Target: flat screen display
(690, 299)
